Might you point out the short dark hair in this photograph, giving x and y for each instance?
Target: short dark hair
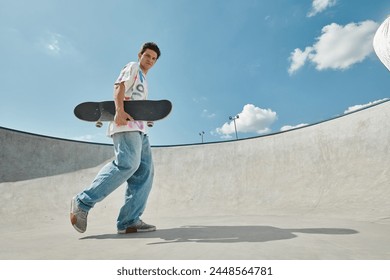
(152, 46)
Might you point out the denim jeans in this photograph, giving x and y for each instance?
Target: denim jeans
(133, 164)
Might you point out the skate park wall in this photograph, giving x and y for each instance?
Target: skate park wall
(337, 168)
(27, 156)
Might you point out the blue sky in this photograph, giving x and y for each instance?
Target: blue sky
(275, 63)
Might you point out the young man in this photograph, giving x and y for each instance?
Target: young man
(133, 159)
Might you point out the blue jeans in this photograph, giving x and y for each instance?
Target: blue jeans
(133, 163)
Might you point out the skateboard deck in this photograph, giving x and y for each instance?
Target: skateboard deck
(139, 110)
(381, 43)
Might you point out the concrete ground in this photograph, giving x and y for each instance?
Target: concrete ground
(314, 193)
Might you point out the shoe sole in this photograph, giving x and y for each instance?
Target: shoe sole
(134, 230)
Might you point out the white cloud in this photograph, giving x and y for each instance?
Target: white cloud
(358, 107)
(200, 99)
(84, 138)
(289, 127)
(339, 47)
(51, 43)
(319, 6)
(252, 119)
(56, 44)
(207, 114)
(298, 59)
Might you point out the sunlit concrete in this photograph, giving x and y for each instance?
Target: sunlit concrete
(318, 192)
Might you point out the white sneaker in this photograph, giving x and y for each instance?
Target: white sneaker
(78, 217)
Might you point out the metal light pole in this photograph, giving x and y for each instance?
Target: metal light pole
(235, 126)
(201, 134)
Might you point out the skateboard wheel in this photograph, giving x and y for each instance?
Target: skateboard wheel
(150, 124)
(99, 124)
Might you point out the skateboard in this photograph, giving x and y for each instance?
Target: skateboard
(139, 110)
(381, 43)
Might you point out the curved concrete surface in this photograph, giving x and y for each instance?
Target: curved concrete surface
(319, 192)
(28, 156)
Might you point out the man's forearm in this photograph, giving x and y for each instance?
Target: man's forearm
(121, 117)
(119, 96)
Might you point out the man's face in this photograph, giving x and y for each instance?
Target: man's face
(147, 59)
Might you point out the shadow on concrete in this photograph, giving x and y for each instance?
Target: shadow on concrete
(223, 234)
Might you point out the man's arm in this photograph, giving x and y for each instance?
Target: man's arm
(121, 117)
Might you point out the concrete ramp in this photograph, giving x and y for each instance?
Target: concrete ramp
(338, 168)
(318, 192)
(27, 156)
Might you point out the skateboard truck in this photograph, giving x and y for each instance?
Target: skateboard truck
(100, 124)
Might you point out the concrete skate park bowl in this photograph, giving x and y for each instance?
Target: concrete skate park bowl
(318, 192)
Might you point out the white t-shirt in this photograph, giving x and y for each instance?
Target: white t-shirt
(136, 88)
